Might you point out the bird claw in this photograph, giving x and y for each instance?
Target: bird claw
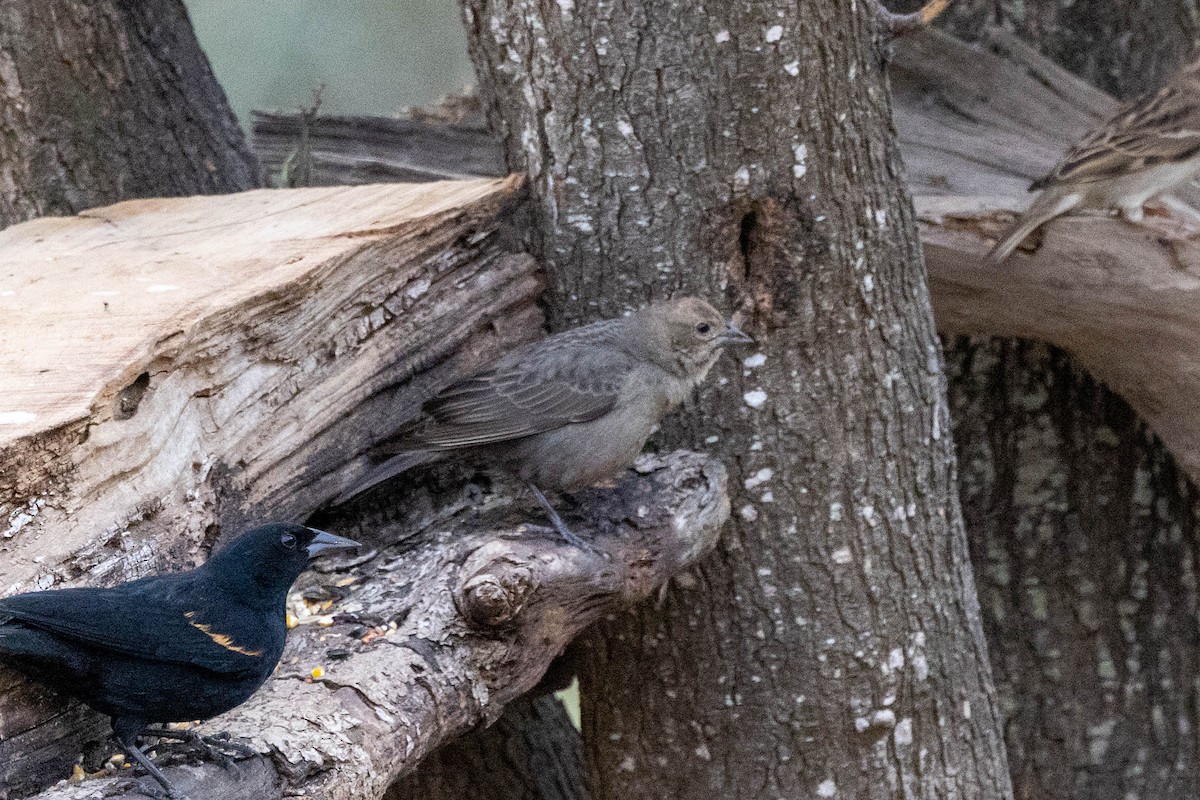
(215, 747)
(146, 786)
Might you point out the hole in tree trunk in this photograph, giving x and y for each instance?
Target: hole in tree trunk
(130, 397)
(745, 240)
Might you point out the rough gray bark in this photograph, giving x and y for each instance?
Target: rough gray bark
(104, 100)
(745, 153)
(1085, 540)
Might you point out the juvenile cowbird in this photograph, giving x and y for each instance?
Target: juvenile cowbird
(573, 409)
(1150, 147)
(168, 648)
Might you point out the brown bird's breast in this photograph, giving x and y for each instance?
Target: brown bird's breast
(587, 453)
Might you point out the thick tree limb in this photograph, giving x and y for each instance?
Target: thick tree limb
(975, 128)
(479, 611)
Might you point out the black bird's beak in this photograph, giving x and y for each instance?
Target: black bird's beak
(324, 542)
(734, 335)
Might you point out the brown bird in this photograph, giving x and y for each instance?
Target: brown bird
(1149, 148)
(573, 409)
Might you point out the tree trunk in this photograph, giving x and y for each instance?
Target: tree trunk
(104, 100)
(1085, 541)
(1122, 46)
(1083, 532)
(745, 153)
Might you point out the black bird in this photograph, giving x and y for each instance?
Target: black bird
(168, 648)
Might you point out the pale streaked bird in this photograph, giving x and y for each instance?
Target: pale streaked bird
(1149, 148)
(573, 409)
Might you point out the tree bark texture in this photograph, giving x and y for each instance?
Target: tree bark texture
(105, 100)
(1084, 536)
(531, 753)
(743, 151)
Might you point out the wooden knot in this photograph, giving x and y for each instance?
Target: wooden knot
(494, 598)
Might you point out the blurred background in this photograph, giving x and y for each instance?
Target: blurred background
(374, 56)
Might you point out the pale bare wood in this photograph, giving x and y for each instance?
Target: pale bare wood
(269, 326)
(976, 126)
(280, 335)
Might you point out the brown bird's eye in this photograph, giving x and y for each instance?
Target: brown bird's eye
(703, 327)
(288, 541)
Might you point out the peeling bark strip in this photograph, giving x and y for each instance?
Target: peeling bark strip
(457, 652)
(744, 151)
(107, 100)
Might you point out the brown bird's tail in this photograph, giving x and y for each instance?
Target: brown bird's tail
(397, 464)
(1051, 203)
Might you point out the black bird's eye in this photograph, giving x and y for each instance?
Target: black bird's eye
(703, 327)
(288, 541)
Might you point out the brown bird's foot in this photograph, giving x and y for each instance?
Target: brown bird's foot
(214, 748)
(555, 520)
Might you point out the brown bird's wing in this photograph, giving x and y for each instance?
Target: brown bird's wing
(1160, 128)
(540, 390)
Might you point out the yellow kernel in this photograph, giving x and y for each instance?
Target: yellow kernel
(292, 621)
(77, 774)
(325, 621)
(318, 672)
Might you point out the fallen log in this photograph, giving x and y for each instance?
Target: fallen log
(436, 632)
(174, 370)
(310, 149)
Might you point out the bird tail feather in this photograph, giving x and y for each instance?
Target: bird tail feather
(1048, 205)
(396, 465)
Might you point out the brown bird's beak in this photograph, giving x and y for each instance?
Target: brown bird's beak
(325, 542)
(734, 335)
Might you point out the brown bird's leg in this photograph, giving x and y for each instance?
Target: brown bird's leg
(557, 522)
